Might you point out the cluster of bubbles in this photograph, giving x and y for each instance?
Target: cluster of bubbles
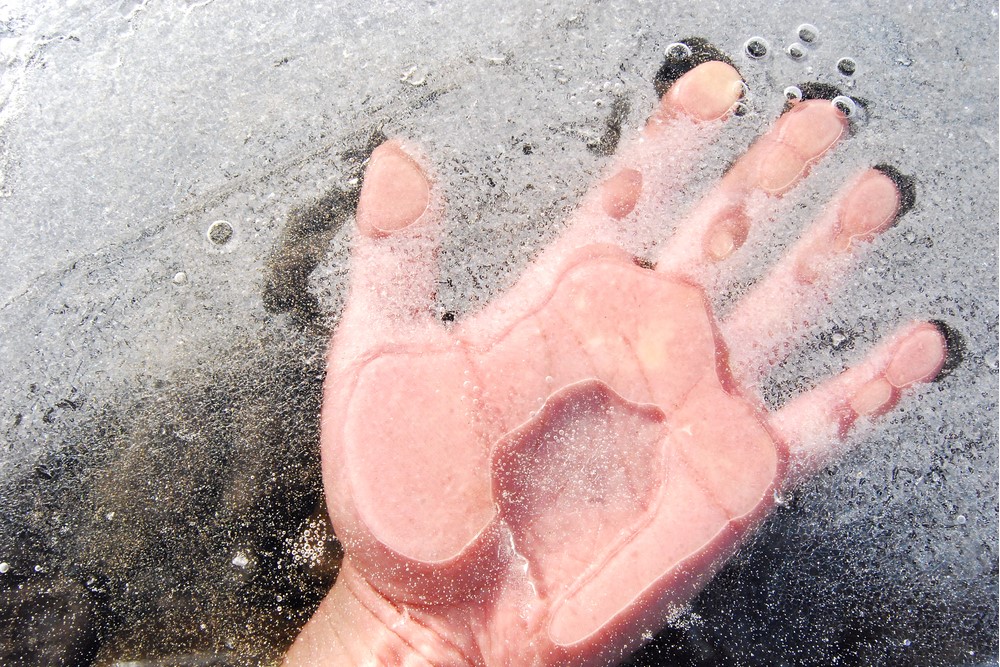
(757, 48)
(808, 35)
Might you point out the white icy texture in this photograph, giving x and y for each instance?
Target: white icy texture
(127, 128)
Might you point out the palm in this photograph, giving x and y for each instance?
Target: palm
(568, 464)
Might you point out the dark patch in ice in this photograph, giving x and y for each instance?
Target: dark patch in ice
(47, 620)
(608, 143)
(643, 263)
(136, 520)
(957, 348)
(305, 240)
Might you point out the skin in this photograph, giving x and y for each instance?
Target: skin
(545, 481)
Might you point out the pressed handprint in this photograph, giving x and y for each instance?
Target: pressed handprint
(544, 481)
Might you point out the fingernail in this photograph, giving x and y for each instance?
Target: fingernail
(727, 234)
(811, 128)
(801, 135)
(869, 208)
(708, 92)
(621, 192)
(918, 358)
(807, 268)
(395, 192)
(873, 398)
(720, 244)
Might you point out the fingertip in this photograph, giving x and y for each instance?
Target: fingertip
(905, 185)
(812, 128)
(706, 93)
(620, 193)
(871, 206)
(919, 357)
(682, 57)
(395, 193)
(785, 155)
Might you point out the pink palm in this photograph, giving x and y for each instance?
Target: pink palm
(542, 482)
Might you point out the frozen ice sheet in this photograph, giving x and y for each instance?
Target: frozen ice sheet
(154, 399)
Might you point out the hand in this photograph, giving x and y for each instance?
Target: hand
(543, 482)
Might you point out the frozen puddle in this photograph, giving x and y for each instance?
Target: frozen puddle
(177, 182)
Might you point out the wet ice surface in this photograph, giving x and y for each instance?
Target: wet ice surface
(159, 442)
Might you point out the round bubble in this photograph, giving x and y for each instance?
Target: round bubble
(796, 51)
(847, 66)
(220, 233)
(845, 105)
(678, 51)
(793, 94)
(808, 33)
(756, 47)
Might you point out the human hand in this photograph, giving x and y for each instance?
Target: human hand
(541, 483)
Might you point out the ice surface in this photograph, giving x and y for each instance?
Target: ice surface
(158, 410)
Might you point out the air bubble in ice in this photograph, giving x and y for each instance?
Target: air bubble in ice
(845, 105)
(741, 109)
(220, 233)
(677, 51)
(793, 94)
(180, 278)
(795, 51)
(847, 66)
(240, 560)
(960, 519)
(756, 47)
(413, 76)
(4, 568)
(808, 33)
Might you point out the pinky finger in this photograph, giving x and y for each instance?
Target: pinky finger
(814, 425)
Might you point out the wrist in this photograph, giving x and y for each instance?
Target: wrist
(355, 625)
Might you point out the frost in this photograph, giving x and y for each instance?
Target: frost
(176, 183)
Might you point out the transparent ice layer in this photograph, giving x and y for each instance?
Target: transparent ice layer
(176, 182)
